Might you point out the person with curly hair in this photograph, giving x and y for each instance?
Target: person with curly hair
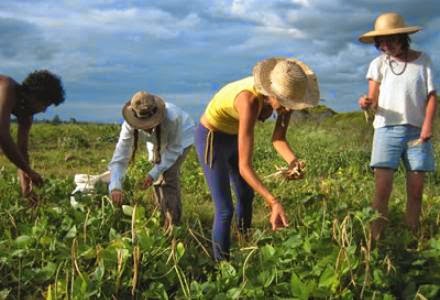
(39, 90)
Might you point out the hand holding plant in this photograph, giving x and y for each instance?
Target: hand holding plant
(295, 170)
(26, 185)
(366, 105)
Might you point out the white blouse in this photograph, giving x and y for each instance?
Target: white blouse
(402, 98)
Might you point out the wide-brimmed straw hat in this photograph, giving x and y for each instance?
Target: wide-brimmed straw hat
(388, 24)
(144, 110)
(289, 80)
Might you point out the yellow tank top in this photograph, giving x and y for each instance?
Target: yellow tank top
(221, 112)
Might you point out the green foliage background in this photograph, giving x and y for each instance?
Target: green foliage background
(89, 249)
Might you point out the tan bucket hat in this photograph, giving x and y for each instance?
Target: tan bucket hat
(144, 110)
(388, 24)
(291, 81)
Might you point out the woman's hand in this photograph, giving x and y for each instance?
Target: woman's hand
(365, 102)
(426, 133)
(117, 197)
(296, 170)
(277, 216)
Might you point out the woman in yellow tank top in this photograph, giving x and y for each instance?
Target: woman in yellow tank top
(225, 139)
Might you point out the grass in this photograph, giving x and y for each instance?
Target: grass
(94, 250)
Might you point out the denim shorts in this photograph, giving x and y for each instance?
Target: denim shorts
(393, 143)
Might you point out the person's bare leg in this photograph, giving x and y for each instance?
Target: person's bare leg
(384, 185)
(414, 191)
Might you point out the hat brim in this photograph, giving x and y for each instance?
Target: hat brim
(262, 80)
(368, 38)
(147, 123)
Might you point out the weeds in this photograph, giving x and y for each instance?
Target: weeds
(88, 248)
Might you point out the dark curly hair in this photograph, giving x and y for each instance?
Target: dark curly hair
(45, 86)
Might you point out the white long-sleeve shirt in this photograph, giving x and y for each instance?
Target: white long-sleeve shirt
(177, 133)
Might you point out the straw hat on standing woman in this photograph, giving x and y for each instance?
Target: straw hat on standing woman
(401, 91)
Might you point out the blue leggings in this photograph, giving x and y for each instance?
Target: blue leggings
(223, 171)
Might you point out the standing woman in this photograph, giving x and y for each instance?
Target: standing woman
(401, 90)
(225, 140)
(169, 134)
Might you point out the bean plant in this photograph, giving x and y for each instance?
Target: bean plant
(82, 246)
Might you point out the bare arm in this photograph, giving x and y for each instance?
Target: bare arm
(431, 108)
(9, 147)
(247, 106)
(23, 130)
(373, 96)
(279, 140)
(16, 153)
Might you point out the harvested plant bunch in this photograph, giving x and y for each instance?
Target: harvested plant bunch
(295, 170)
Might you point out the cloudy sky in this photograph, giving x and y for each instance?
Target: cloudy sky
(106, 50)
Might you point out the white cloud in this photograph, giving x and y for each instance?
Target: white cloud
(106, 49)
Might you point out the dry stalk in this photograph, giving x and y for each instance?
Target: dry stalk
(168, 224)
(198, 242)
(343, 236)
(369, 112)
(414, 142)
(73, 251)
(366, 251)
(120, 259)
(120, 270)
(136, 260)
(346, 234)
(253, 249)
(336, 231)
(369, 115)
(389, 264)
(12, 219)
(173, 249)
(343, 256)
(85, 225)
(367, 270)
(133, 225)
(296, 170)
(180, 274)
(420, 296)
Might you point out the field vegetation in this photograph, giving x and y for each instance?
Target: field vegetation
(86, 248)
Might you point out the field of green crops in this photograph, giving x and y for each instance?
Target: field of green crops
(89, 249)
